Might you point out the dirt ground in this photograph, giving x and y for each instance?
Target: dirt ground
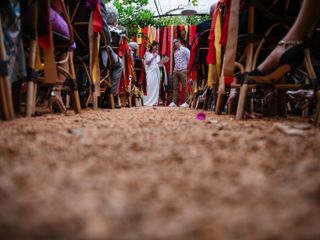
(158, 173)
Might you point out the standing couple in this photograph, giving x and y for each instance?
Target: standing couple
(152, 62)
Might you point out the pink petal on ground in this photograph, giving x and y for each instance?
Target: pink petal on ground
(201, 116)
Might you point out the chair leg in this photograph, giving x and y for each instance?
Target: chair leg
(76, 101)
(206, 101)
(232, 106)
(75, 96)
(129, 98)
(30, 98)
(282, 103)
(242, 101)
(219, 104)
(3, 101)
(111, 101)
(317, 115)
(95, 100)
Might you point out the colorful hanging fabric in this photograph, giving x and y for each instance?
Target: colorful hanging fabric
(158, 35)
(224, 31)
(150, 33)
(217, 44)
(231, 45)
(97, 19)
(192, 74)
(163, 41)
(169, 47)
(125, 52)
(192, 34)
(144, 42)
(139, 37)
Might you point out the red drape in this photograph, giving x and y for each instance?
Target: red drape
(97, 19)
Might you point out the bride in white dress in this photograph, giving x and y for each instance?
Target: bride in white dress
(152, 61)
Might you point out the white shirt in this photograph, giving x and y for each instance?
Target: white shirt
(181, 58)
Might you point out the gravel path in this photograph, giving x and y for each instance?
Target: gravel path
(151, 173)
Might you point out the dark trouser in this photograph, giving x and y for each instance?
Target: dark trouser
(115, 79)
(177, 77)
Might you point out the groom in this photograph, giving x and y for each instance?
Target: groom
(181, 59)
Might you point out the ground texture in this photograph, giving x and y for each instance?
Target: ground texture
(151, 173)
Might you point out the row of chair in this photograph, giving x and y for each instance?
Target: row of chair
(253, 29)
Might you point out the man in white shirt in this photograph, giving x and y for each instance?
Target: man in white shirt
(181, 59)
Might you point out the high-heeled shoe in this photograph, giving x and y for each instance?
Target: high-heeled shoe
(289, 61)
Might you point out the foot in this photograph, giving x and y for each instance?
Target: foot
(184, 105)
(172, 104)
(273, 60)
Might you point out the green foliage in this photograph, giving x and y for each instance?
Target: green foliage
(132, 15)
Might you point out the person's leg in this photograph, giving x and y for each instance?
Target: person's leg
(301, 29)
(175, 87)
(115, 80)
(184, 76)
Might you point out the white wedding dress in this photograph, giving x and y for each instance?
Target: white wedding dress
(153, 80)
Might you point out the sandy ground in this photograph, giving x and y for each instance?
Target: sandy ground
(153, 173)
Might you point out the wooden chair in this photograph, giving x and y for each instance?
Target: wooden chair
(51, 66)
(200, 90)
(138, 76)
(277, 84)
(88, 47)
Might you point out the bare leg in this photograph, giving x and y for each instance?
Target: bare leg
(302, 28)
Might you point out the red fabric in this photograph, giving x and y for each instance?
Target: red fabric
(168, 48)
(211, 57)
(124, 50)
(43, 36)
(144, 42)
(142, 75)
(97, 19)
(192, 33)
(192, 66)
(44, 41)
(175, 32)
(225, 27)
(164, 41)
(228, 80)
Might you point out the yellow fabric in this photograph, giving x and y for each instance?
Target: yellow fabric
(95, 58)
(217, 45)
(139, 38)
(231, 45)
(210, 66)
(38, 65)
